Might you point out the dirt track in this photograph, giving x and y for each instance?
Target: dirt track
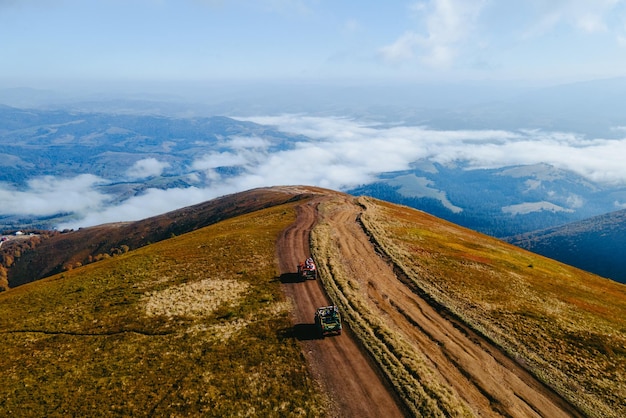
(343, 370)
(478, 374)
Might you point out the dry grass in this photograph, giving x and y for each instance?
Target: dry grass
(194, 299)
(187, 327)
(566, 326)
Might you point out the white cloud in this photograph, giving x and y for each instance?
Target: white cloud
(447, 24)
(218, 159)
(48, 196)
(247, 142)
(148, 167)
(366, 150)
(587, 16)
(402, 49)
(151, 203)
(526, 208)
(245, 151)
(462, 37)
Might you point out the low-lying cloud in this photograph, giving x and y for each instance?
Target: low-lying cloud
(367, 150)
(48, 196)
(148, 167)
(336, 153)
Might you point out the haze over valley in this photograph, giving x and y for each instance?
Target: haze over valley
(127, 165)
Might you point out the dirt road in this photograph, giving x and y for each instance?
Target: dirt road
(479, 377)
(338, 364)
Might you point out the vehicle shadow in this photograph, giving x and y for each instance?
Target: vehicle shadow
(287, 278)
(301, 332)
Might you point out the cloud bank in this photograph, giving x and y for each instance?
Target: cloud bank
(367, 150)
(48, 196)
(446, 25)
(336, 153)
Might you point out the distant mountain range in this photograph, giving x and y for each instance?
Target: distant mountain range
(103, 139)
(588, 107)
(499, 202)
(59, 144)
(64, 144)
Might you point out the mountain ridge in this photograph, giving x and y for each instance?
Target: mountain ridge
(563, 326)
(76, 248)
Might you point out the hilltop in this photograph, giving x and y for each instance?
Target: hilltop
(440, 320)
(62, 252)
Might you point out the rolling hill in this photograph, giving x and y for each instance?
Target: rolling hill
(596, 244)
(75, 248)
(187, 326)
(210, 320)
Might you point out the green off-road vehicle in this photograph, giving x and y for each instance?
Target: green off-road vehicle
(328, 320)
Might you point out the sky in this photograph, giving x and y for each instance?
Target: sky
(98, 43)
(45, 42)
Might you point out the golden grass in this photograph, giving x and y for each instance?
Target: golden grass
(566, 326)
(194, 299)
(186, 327)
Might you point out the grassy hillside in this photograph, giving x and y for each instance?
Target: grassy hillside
(565, 325)
(185, 327)
(62, 252)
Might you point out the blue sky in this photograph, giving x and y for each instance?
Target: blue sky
(44, 41)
